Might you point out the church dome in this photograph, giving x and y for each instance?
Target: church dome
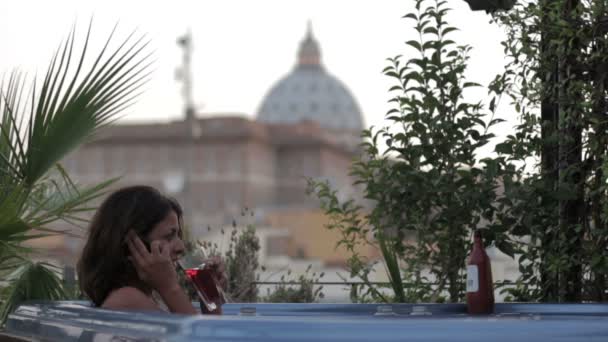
(309, 92)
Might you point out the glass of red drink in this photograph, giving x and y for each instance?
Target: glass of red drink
(202, 277)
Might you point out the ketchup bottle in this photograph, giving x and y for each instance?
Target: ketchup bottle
(480, 290)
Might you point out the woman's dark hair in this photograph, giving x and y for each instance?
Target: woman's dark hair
(103, 265)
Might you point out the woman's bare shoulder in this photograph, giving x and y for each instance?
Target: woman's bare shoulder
(129, 298)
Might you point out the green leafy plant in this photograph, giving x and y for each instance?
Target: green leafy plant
(555, 161)
(241, 257)
(24, 285)
(299, 290)
(242, 265)
(241, 260)
(428, 187)
(41, 126)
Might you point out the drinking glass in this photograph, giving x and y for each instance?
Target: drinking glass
(197, 270)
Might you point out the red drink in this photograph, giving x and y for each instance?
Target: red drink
(204, 282)
(206, 287)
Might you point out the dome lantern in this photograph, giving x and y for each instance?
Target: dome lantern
(309, 53)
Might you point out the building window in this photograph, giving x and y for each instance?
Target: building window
(232, 198)
(209, 162)
(142, 161)
(163, 159)
(233, 161)
(91, 162)
(119, 166)
(210, 200)
(277, 245)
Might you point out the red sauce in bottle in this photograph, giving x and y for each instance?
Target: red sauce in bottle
(480, 289)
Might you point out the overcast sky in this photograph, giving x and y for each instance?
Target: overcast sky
(242, 47)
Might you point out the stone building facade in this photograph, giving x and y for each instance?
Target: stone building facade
(234, 163)
(307, 126)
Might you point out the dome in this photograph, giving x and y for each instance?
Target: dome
(308, 92)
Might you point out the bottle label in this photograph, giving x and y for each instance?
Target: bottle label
(472, 278)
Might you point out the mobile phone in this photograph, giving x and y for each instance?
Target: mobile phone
(145, 242)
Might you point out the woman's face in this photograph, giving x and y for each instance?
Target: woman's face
(168, 232)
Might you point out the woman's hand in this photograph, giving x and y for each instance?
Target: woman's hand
(154, 267)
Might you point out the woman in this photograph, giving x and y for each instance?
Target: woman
(128, 261)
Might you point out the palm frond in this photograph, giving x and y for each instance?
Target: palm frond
(39, 129)
(31, 281)
(12, 255)
(53, 200)
(11, 205)
(69, 108)
(12, 147)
